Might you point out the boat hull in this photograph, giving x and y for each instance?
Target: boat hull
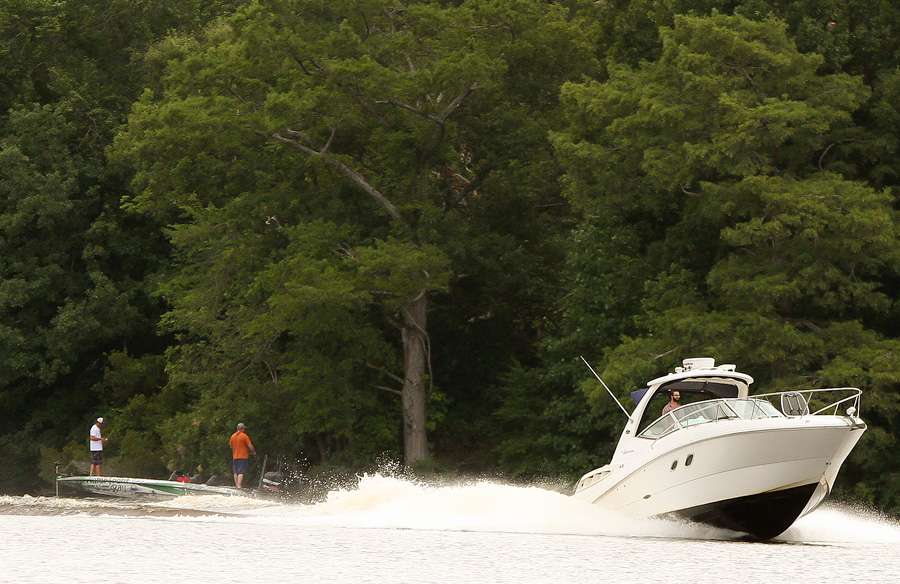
(761, 516)
(127, 487)
(755, 477)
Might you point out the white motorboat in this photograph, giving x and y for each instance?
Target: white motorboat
(724, 458)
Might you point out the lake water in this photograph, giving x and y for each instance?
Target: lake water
(390, 530)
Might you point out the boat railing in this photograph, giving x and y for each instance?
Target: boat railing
(853, 400)
(792, 403)
(592, 478)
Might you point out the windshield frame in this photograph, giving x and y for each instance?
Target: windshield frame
(708, 411)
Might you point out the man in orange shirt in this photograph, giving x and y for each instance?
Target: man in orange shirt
(241, 448)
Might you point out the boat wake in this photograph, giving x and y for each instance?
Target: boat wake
(388, 502)
(482, 506)
(35, 506)
(838, 523)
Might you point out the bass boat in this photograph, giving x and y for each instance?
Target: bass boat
(137, 488)
(723, 458)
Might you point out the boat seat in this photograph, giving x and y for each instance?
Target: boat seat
(794, 404)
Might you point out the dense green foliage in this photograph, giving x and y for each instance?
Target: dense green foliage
(214, 212)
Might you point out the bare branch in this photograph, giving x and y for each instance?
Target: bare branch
(299, 61)
(685, 190)
(661, 355)
(389, 389)
(302, 66)
(824, 153)
(298, 140)
(451, 107)
(440, 118)
(273, 373)
(471, 185)
(410, 108)
(293, 141)
(345, 251)
(396, 378)
(328, 143)
(362, 183)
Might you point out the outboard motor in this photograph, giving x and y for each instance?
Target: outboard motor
(273, 481)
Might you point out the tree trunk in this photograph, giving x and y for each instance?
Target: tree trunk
(415, 395)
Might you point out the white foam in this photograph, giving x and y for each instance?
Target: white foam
(843, 523)
(213, 503)
(389, 502)
(61, 504)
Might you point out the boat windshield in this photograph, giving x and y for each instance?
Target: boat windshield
(709, 411)
(752, 409)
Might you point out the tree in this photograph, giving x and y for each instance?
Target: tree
(72, 264)
(376, 116)
(709, 162)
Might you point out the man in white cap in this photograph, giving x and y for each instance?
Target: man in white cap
(97, 441)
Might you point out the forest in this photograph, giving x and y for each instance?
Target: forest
(385, 230)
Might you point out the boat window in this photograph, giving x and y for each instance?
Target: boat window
(691, 392)
(702, 412)
(690, 415)
(660, 427)
(654, 408)
(752, 409)
(709, 411)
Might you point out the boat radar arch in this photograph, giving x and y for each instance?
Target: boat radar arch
(703, 367)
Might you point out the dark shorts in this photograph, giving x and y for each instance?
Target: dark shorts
(240, 465)
(96, 457)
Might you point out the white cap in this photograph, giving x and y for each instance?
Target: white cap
(99, 420)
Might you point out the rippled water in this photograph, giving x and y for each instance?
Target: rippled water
(394, 531)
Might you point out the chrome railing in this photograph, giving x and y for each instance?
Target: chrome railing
(807, 395)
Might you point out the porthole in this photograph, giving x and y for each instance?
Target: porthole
(689, 460)
(674, 464)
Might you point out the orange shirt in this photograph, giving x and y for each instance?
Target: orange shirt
(240, 445)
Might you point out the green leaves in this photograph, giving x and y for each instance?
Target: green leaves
(632, 181)
(402, 270)
(709, 162)
(822, 242)
(382, 143)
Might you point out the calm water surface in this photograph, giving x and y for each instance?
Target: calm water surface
(394, 531)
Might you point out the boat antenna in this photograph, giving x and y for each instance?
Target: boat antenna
(627, 415)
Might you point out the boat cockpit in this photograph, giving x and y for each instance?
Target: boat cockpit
(703, 412)
(691, 391)
(720, 407)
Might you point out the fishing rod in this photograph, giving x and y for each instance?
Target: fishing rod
(627, 415)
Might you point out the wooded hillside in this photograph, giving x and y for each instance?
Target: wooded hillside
(381, 230)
